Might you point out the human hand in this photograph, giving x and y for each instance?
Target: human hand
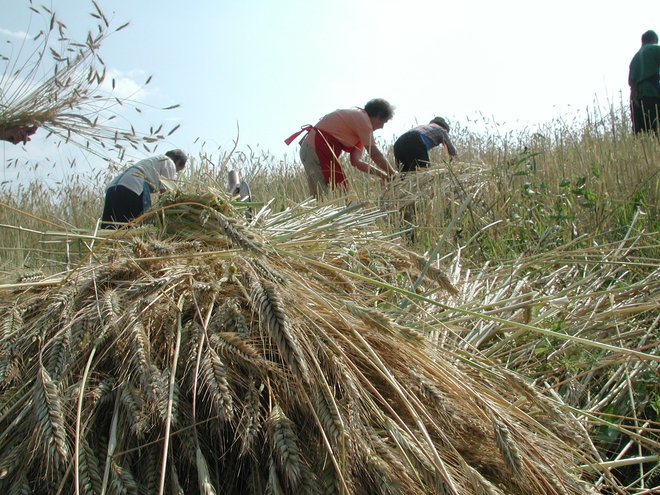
(18, 134)
(390, 177)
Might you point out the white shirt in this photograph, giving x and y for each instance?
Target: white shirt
(149, 170)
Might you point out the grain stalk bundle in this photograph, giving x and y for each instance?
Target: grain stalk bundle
(204, 353)
(59, 84)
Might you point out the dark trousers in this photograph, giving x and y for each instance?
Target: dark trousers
(410, 152)
(121, 205)
(645, 115)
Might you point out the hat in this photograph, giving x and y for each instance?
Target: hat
(441, 122)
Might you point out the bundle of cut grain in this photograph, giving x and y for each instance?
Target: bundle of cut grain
(454, 181)
(216, 356)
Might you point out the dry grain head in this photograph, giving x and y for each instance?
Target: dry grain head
(268, 357)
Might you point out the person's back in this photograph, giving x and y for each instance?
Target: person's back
(411, 149)
(350, 126)
(129, 194)
(149, 171)
(343, 131)
(644, 81)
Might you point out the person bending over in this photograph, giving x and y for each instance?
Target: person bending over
(129, 194)
(411, 149)
(345, 130)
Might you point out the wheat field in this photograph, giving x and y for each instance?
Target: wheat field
(489, 325)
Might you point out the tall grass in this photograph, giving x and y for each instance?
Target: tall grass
(578, 183)
(549, 240)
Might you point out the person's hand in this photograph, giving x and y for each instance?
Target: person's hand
(389, 177)
(18, 134)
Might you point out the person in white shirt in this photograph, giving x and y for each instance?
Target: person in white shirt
(129, 194)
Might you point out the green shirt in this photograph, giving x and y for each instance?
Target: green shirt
(644, 74)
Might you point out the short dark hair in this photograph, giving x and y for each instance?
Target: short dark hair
(379, 108)
(441, 122)
(179, 157)
(649, 38)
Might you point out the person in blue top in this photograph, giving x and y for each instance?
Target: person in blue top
(644, 82)
(411, 149)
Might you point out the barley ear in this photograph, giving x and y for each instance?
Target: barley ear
(251, 418)
(273, 317)
(123, 480)
(507, 446)
(285, 446)
(214, 376)
(90, 470)
(12, 322)
(50, 417)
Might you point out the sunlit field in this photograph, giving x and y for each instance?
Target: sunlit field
(488, 325)
(581, 184)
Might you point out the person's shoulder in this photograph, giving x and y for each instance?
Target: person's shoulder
(653, 48)
(160, 159)
(349, 111)
(359, 114)
(152, 161)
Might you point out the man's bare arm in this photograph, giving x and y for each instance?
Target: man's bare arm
(380, 160)
(363, 166)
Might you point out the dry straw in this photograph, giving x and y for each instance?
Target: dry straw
(60, 86)
(224, 359)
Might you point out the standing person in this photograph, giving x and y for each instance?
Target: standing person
(129, 194)
(411, 149)
(644, 82)
(345, 130)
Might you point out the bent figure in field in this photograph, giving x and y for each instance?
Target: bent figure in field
(237, 188)
(18, 133)
(129, 194)
(345, 130)
(411, 149)
(644, 82)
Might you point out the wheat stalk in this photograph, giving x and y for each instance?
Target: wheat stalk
(70, 103)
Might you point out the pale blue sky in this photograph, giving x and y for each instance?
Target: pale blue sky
(272, 65)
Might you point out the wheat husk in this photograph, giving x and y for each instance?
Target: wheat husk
(218, 356)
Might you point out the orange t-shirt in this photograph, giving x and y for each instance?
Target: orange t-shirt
(351, 127)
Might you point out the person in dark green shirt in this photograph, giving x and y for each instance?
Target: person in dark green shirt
(644, 82)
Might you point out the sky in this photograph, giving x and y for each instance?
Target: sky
(256, 70)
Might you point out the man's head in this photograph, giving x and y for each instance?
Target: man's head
(650, 38)
(179, 158)
(441, 122)
(379, 111)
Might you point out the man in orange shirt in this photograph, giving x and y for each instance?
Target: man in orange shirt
(346, 130)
